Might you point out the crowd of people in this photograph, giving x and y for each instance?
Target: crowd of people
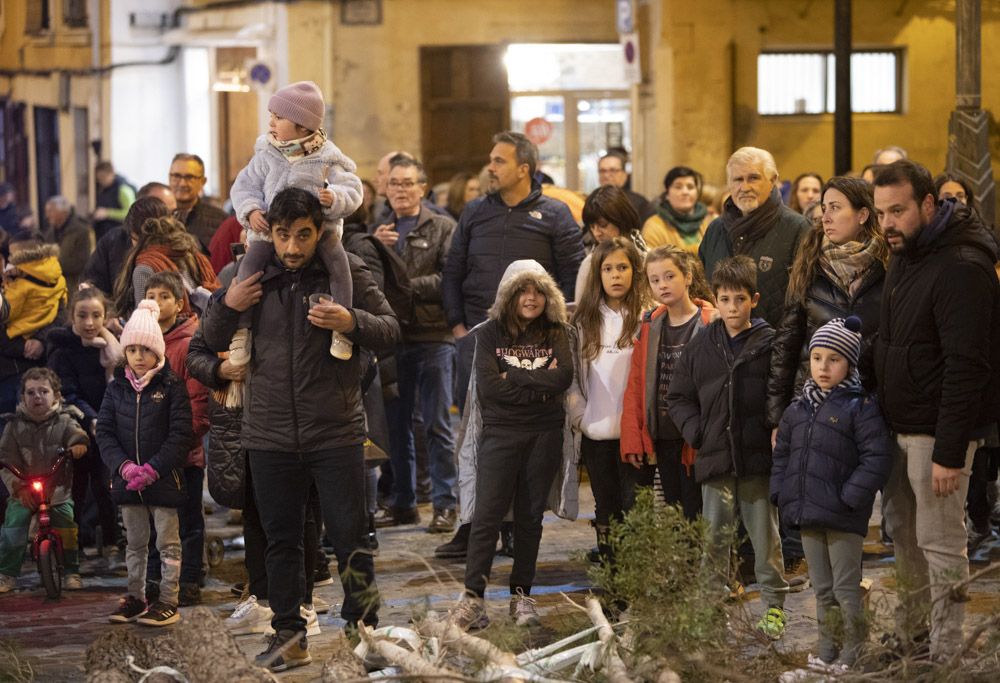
(775, 355)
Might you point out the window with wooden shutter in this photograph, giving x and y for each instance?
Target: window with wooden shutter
(37, 17)
(75, 13)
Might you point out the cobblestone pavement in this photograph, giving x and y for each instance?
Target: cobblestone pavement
(54, 636)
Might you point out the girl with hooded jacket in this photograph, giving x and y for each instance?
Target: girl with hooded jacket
(523, 367)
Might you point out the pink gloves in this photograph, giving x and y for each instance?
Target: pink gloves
(138, 477)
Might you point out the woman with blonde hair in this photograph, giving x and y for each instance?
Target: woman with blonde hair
(164, 244)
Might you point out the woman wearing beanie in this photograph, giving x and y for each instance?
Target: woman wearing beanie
(295, 152)
(831, 457)
(144, 433)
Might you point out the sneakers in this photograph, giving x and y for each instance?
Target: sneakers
(286, 650)
(523, 610)
(772, 624)
(396, 517)
(113, 558)
(469, 614)
(341, 347)
(160, 614)
(456, 548)
(249, 617)
(320, 605)
(7, 583)
(443, 521)
(322, 576)
(308, 612)
(72, 582)
(189, 594)
(239, 348)
(129, 609)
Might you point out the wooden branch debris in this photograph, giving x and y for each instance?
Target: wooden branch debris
(410, 662)
(613, 667)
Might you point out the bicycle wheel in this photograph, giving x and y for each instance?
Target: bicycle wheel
(48, 567)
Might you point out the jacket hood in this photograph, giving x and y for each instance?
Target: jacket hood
(185, 328)
(512, 283)
(41, 262)
(329, 153)
(957, 225)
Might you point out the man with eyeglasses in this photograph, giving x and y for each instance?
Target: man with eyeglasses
(187, 179)
(611, 171)
(426, 358)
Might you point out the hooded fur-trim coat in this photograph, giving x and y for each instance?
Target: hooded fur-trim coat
(35, 290)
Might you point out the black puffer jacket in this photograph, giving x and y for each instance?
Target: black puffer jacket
(824, 302)
(424, 252)
(152, 427)
(717, 402)
(937, 355)
(80, 372)
(299, 398)
(491, 235)
(829, 464)
(224, 460)
(773, 253)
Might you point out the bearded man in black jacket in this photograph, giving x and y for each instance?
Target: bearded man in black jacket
(937, 366)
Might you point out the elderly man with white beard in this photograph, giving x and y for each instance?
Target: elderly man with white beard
(756, 223)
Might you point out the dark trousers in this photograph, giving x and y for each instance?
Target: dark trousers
(980, 506)
(281, 482)
(90, 474)
(191, 517)
(608, 479)
(255, 542)
(679, 486)
(511, 466)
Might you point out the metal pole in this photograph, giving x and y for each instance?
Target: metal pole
(968, 128)
(842, 133)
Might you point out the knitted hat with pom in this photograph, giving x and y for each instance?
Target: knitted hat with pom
(842, 335)
(301, 103)
(143, 328)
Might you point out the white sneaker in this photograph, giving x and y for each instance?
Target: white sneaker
(239, 348)
(7, 583)
(72, 582)
(112, 557)
(312, 621)
(320, 605)
(523, 610)
(341, 347)
(249, 617)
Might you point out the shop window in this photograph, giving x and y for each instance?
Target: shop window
(800, 83)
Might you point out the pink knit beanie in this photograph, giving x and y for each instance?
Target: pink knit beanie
(300, 103)
(143, 328)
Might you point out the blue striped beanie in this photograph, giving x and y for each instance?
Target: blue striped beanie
(842, 335)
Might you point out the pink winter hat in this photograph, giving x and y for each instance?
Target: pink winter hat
(143, 328)
(300, 103)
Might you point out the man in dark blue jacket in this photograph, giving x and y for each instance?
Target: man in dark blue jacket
(514, 221)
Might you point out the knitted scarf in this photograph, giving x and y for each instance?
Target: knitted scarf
(111, 350)
(140, 383)
(302, 147)
(161, 258)
(687, 225)
(745, 230)
(846, 264)
(815, 396)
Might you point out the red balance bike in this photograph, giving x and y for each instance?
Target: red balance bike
(46, 546)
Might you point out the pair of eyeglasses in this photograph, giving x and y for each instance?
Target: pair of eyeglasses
(403, 185)
(186, 177)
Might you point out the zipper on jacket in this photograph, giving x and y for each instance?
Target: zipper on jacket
(291, 361)
(802, 469)
(138, 413)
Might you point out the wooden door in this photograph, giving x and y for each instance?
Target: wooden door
(15, 151)
(239, 124)
(464, 101)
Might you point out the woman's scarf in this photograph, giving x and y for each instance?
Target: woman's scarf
(745, 230)
(302, 147)
(846, 264)
(687, 225)
(815, 396)
(162, 258)
(140, 383)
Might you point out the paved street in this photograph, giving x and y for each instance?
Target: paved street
(54, 636)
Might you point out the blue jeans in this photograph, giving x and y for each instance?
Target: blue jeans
(281, 483)
(427, 367)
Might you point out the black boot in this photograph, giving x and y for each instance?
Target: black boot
(456, 548)
(506, 539)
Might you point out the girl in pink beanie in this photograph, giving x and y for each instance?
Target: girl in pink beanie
(144, 433)
(295, 152)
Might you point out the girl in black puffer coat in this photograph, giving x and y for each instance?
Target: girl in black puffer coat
(833, 454)
(144, 431)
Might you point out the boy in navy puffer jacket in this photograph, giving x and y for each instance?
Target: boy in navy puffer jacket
(831, 456)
